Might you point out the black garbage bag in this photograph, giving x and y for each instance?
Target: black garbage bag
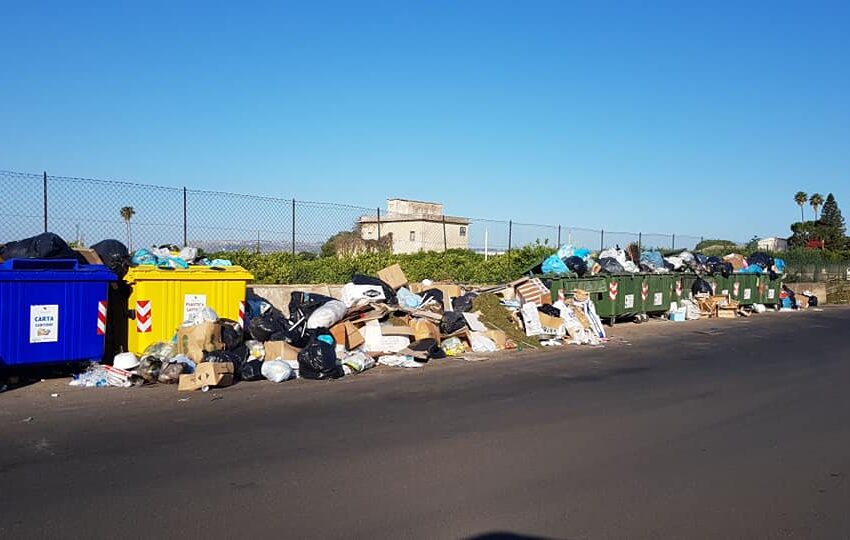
(700, 286)
(701, 259)
(43, 246)
(149, 368)
(645, 267)
(464, 303)
(813, 301)
(231, 334)
(452, 322)
(762, 259)
(252, 370)
(114, 255)
(270, 326)
(433, 294)
(317, 360)
(577, 265)
(611, 265)
(301, 306)
(223, 356)
(669, 266)
(423, 350)
(389, 292)
(725, 269)
(550, 310)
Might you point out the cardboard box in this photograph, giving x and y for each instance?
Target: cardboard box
(532, 290)
(193, 341)
(89, 255)
(207, 374)
(347, 335)
(423, 329)
(393, 276)
(498, 336)
(281, 350)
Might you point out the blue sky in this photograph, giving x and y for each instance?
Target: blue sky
(694, 118)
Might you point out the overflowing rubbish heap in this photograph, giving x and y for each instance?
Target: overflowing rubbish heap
(384, 319)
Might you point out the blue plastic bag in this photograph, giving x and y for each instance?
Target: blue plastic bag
(144, 257)
(553, 265)
(779, 264)
(583, 253)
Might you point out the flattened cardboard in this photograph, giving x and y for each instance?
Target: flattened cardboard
(194, 340)
(473, 323)
(207, 374)
(393, 276)
(389, 330)
(281, 350)
(549, 323)
(89, 255)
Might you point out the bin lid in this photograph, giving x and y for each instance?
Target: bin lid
(193, 273)
(53, 270)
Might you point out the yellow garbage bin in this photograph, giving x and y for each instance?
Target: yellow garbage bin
(162, 298)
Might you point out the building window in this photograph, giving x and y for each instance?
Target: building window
(413, 236)
(463, 231)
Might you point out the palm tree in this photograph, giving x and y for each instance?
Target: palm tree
(816, 200)
(127, 214)
(801, 198)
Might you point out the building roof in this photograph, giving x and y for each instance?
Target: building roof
(400, 218)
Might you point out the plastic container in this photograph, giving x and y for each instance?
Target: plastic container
(162, 298)
(52, 311)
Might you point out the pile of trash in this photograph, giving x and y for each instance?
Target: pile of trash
(582, 262)
(381, 320)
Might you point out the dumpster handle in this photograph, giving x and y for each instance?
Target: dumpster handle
(41, 264)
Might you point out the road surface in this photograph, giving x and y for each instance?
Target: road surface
(710, 429)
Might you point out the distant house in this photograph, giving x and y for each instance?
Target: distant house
(416, 226)
(773, 244)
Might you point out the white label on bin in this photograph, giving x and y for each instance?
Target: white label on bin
(192, 304)
(748, 293)
(44, 323)
(629, 301)
(771, 293)
(658, 298)
(725, 292)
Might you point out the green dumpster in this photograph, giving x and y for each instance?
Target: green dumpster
(658, 292)
(770, 289)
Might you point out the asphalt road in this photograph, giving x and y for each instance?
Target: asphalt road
(711, 429)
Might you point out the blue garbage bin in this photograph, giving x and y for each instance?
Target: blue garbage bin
(52, 311)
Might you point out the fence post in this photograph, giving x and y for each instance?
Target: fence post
(445, 240)
(559, 236)
(602, 240)
(293, 228)
(674, 242)
(640, 242)
(44, 197)
(185, 219)
(510, 239)
(379, 223)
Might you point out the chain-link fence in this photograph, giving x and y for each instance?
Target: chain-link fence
(84, 211)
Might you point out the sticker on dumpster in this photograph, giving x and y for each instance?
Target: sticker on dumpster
(612, 290)
(725, 292)
(192, 304)
(143, 316)
(657, 299)
(748, 293)
(629, 301)
(771, 293)
(44, 323)
(101, 318)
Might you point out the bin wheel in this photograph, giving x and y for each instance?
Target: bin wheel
(612, 320)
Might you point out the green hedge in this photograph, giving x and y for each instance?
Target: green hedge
(454, 265)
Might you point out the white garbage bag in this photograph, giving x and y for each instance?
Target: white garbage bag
(327, 315)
